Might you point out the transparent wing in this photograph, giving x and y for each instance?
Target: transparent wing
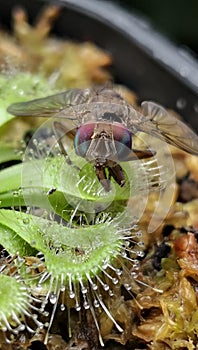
(165, 126)
(51, 105)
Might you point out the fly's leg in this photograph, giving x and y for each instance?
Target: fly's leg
(117, 173)
(102, 177)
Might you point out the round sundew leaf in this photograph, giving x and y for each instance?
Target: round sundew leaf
(13, 299)
(75, 250)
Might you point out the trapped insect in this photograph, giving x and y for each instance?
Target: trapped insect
(101, 124)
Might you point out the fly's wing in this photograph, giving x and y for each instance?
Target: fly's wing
(59, 105)
(160, 123)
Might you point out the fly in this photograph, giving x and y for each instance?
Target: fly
(101, 124)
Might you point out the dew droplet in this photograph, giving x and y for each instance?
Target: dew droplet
(21, 92)
(141, 244)
(53, 298)
(111, 294)
(35, 316)
(15, 193)
(105, 287)
(78, 307)
(139, 234)
(127, 286)
(71, 295)
(84, 290)
(96, 303)
(62, 307)
(115, 280)
(134, 275)
(45, 313)
(94, 286)
(118, 272)
(35, 142)
(86, 305)
(140, 253)
(26, 221)
(62, 288)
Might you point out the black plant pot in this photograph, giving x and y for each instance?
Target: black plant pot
(143, 59)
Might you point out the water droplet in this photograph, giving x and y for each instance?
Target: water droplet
(15, 193)
(78, 307)
(84, 290)
(96, 303)
(181, 103)
(32, 243)
(118, 272)
(62, 307)
(35, 142)
(94, 286)
(21, 92)
(45, 313)
(134, 275)
(62, 288)
(71, 295)
(35, 316)
(111, 294)
(141, 244)
(44, 303)
(127, 286)
(140, 253)
(139, 234)
(123, 254)
(86, 305)
(105, 287)
(115, 280)
(26, 221)
(53, 298)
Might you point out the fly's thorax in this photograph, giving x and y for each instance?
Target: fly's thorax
(102, 111)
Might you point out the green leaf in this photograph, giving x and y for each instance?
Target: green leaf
(62, 245)
(19, 87)
(14, 300)
(8, 153)
(12, 242)
(32, 183)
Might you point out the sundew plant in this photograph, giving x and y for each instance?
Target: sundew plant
(69, 245)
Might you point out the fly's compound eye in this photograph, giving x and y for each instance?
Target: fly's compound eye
(82, 139)
(123, 140)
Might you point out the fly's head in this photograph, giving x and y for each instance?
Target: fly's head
(105, 145)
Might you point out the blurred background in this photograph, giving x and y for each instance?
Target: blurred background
(177, 19)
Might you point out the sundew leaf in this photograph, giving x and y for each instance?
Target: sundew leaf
(13, 243)
(62, 245)
(13, 300)
(8, 153)
(32, 183)
(20, 86)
